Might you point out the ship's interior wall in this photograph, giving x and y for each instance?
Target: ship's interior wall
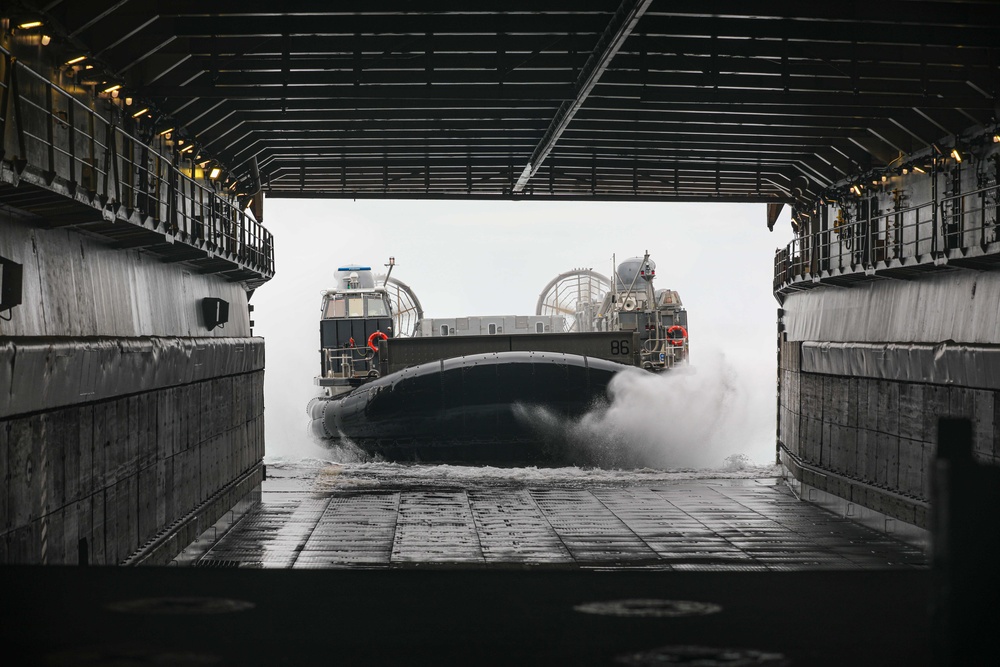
(958, 306)
(92, 483)
(872, 440)
(73, 286)
(125, 423)
(868, 365)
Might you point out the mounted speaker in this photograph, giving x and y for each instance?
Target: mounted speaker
(11, 274)
(216, 312)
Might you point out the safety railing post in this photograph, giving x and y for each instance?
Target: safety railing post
(868, 257)
(935, 215)
(8, 65)
(90, 175)
(106, 162)
(50, 174)
(115, 170)
(71, 119)
(172, 205)
(982, 219)
(960, 213)
(128, 172)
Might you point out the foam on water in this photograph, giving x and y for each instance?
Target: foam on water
(701, 416)
(332, 474)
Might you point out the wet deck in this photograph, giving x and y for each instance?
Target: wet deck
(390, 516)
(393, 565)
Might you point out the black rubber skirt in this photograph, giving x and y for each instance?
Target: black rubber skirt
(468, 409)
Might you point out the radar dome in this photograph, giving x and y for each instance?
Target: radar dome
(350, 274)
(635, 266)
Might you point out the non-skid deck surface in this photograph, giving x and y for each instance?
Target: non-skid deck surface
(350, 517)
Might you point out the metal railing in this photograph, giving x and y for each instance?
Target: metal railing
(664, 353)
(348, 362)
(92, 158)
(929, 233)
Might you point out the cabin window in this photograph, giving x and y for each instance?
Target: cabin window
(334, 308)
(492, 329)
(377, 307)
(355, 307)
(539, 327)
(444, 329)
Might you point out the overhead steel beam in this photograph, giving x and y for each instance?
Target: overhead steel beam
(621, 26)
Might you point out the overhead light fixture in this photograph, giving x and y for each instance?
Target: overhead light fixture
(918, 168)
(215, 173)
(189, 147)
(140, 112)
(955, 153)
(78, 59)
(112, 89)
(996, 138)
(46, 40)
(166, 131)
(29, 25)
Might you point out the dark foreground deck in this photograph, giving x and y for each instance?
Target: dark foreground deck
(199, 616)
(356, 567)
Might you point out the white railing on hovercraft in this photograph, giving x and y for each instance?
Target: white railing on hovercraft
(663, 353)
(349, 363)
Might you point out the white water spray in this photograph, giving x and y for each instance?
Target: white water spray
(716, 414)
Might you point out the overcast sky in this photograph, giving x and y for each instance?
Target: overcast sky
(494, 258)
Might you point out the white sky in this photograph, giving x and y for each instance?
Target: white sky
(494, 257)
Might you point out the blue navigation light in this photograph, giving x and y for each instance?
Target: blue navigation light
(355, 268)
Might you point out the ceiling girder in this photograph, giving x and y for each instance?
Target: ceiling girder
(683, 99)
(614, 36)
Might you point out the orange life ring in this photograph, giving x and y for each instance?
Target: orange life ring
(371, 340)
(677, 342)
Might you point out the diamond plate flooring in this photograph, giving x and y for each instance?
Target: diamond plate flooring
(366, 516)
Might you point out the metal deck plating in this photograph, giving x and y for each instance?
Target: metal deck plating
(397, 516)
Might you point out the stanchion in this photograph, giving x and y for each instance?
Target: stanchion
(966, 540)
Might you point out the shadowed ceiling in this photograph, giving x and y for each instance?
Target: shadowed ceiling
(591, 99)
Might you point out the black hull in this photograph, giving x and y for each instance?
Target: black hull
(467, 408)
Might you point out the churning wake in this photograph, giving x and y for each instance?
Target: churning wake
(716, 414)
